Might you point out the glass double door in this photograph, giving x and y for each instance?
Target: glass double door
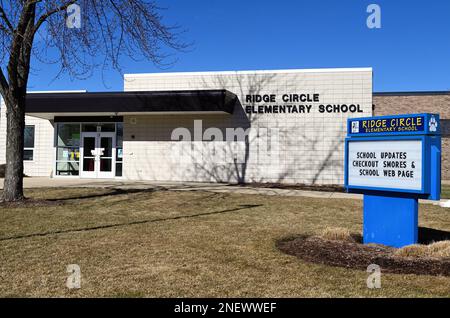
(97, 154)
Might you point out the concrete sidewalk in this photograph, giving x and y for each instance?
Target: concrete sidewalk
(44, 182)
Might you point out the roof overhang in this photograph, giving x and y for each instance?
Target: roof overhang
(50, 105)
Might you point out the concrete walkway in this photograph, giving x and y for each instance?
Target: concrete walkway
(44, 182)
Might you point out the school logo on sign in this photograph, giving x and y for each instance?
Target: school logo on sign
(355, 127)
(433, 124)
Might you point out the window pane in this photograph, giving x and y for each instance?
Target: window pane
(119, 154)
(89, 127)
(119, 135)
(29, 137)
(106, 165)
(28, 154)
(106, 145)
(69, 135)
(67, 168)
(88, 164)
(118, 169)
(108, 127)
(89, 146)
(68, 154)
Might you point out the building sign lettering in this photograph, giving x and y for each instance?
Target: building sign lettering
(294, 103)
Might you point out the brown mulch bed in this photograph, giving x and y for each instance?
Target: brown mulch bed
(359, 256)
(298, 186)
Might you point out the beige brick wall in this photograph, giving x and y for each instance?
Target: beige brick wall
(149, 153)
(408, 103)
(310, 147)
(43, 157)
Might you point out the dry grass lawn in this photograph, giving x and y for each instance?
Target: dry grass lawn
(437, 250)
(336, 234)
(186, 244)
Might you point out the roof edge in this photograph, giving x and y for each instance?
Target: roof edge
(250, 72)
(411, 93)
(123, 93)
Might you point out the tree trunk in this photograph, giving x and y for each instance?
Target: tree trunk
(15, 117)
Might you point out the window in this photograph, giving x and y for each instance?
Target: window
(94, 127)
(68, 135)
(119, 149)
(68, 149)
(28, 150)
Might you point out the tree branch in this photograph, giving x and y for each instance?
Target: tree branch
(4, 86)
(6, 20)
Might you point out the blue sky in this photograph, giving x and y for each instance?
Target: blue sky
(410, 52)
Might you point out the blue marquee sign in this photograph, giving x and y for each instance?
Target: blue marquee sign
(393, 161)
(416, 124)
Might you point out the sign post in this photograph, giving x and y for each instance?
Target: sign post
(394, 161)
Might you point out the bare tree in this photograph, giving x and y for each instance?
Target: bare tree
(44, 30)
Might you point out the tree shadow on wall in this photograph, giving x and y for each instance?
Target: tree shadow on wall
(235, 169)
(246, 157)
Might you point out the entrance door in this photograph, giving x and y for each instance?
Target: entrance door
(106, 151)
(97, 154)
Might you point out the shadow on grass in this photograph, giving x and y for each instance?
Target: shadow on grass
(428, 235)
(107, 226)
(115, 191)
(30, 202)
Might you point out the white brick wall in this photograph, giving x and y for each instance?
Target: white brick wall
(43, 158)
(311, 148)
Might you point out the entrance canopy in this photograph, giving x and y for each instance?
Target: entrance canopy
(51, 105)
